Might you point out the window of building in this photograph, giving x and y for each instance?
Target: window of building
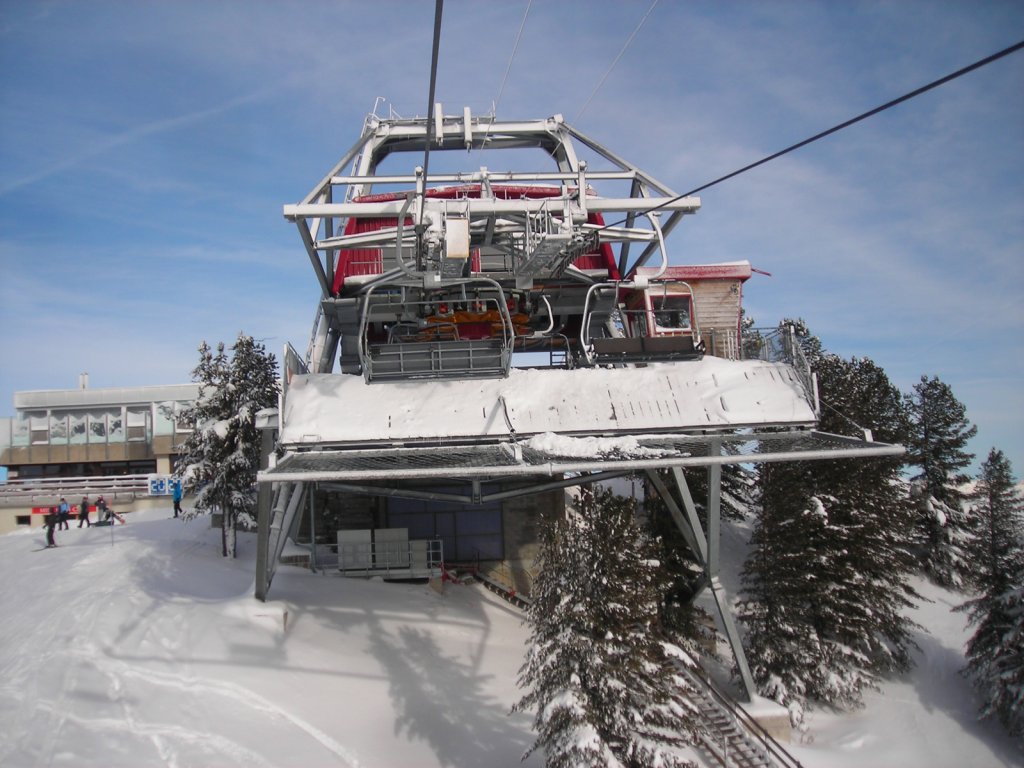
(20, 430)
(39, 424)
(98, 427)
(138, 424)
(58, 429)
(115, 426)
(671, 313)
(23, 520)
(78, 427)
(165, 415)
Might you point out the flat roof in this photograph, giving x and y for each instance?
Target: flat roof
(104, 396)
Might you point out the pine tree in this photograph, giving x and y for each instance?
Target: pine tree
(597, 674)
(781, 586)
(869, 507)
(221, 455)
(826, 583)
(939, 432)
(995, 661)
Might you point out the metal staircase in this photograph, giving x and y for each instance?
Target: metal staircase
(729, 735)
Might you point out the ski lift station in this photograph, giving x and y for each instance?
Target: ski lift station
(484, 340)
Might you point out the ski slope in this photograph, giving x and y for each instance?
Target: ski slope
(140, 646)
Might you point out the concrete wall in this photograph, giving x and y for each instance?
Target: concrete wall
(75, 454)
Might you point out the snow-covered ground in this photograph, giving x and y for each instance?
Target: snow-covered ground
(141, 646)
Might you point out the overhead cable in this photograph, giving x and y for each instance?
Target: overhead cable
(616, 61)
(511, 58)
(438, 8)
(906, 97)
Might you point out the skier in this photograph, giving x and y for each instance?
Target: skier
(101, 509)
(50, 522)
(177, 498)
(62, 514)
(83, 512)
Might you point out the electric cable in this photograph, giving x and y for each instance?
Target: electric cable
(501, 90)
(511, 58)
(616, 61)
(434, 55)
(438, 8)
(846, 124)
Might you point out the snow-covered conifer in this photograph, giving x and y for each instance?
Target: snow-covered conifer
(995, 661)
(826, 583)
(939, 432)
(220, 457)
(597, 675)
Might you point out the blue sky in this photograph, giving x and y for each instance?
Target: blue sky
(146, 149)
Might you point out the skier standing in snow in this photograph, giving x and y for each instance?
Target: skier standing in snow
(83, 512)
(177, 497)
(101, 509)
(51, 523)
(62, 514)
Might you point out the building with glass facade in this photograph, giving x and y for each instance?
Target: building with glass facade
(67, 442)
(94, 432)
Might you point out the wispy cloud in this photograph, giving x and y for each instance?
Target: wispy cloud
(134, 134)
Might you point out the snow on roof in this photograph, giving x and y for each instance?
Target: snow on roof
(707, 394)
(733, 270)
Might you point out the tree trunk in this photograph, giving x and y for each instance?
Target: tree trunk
(223, 531)
(231, 549)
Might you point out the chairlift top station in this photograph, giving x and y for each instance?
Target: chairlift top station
(432, 283)
(430, 286)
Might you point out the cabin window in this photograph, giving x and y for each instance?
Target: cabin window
(671, 313)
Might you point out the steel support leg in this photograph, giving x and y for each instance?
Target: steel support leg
(714, 566)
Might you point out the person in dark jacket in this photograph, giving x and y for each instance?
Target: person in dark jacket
(101, 509)
(83, 512)
(51, 523)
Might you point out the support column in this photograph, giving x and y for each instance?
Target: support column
(718, 592)
(690, 530)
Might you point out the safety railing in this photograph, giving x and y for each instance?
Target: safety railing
(46, 489)
(413, 558)
(780, 345)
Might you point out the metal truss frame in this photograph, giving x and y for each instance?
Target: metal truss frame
(320, 218)
(401, 472)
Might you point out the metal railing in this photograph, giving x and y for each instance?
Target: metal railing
(780, 345)
(414, 557)
(754, 730)
(51, 489)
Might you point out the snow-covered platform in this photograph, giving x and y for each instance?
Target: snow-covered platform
(709, 394)
(551, 422)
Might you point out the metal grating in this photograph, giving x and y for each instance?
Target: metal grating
(509, 459)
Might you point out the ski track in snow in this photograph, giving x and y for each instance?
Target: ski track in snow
(246, 698)
(152, 652)
(74, 666)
